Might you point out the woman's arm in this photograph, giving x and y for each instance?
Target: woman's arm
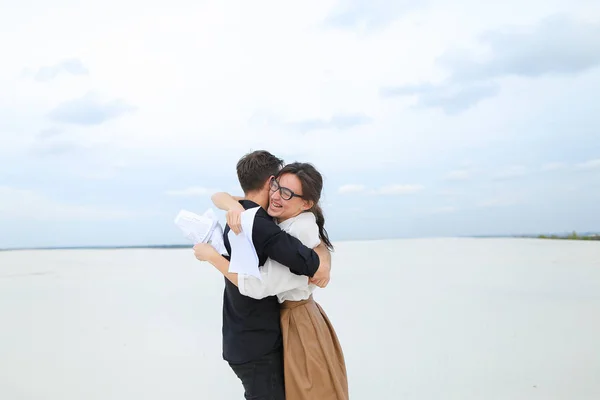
(226, 202)
(234, 209)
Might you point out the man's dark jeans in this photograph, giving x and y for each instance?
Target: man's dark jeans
(262, 378)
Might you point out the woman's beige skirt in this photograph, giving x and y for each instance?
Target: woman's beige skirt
(313, 361)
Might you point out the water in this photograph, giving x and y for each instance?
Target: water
(418, 319)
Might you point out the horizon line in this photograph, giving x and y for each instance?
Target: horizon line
(180, 246)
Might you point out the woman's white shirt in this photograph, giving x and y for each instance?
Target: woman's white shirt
(277, 279)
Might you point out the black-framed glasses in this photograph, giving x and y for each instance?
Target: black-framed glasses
(285, 193)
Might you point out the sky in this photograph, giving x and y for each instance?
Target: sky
(426, 118)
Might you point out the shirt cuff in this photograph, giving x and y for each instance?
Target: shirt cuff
(242, 284)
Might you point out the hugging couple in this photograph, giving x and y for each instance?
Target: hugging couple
(276, 338)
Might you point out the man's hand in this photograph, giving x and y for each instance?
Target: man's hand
(205, 252)
(234, 219)
(322, 276)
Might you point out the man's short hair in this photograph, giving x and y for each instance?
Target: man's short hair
(255, 168)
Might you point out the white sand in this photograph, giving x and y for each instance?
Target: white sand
(418, 319)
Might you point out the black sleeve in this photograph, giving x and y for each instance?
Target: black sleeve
(282, 247)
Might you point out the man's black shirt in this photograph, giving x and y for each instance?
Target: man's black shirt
(251, 327)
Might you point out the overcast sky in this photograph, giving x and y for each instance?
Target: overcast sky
(427, 118)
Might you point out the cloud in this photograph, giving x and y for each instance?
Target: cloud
(589, 165)
(498, 202)
(555, 166)
(393, 189)
(55, 142)
(443, 210)
(408, 90)
(339, 122)
(512, 172)
(384, 190)
(49, 133)
(192, 191)
(458, 175)
(450, 193)
(398, 189)
(557, 45)
(89, 110)
(71, 66)
(369, 14)
(351, 188)
(57, 147)
(452, 98)
(30, 205)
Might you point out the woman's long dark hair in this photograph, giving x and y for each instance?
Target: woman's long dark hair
(312, 185)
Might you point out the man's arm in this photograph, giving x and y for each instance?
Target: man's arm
(282, 247)
(276, 278)
(277, 244)
(206, 252)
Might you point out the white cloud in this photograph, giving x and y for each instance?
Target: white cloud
(591, 164)
(444, 210)
(393, 189)
(30, 205)
(555, 166)
(450, 192)
(351, 188)
(49, 72)
(498, 202)
(398, 189)
(458, 175)
(192, 192)
(512, 172)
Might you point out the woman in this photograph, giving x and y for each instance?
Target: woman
(314, 366)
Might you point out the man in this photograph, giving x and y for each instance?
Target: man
(252, 342)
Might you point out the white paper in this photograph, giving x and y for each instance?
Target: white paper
(216, 240)
(201, 228)
(194, 227)
(244, 259)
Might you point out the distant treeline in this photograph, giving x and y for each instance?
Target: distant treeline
(571, 236)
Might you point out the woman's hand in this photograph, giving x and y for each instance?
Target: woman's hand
(234, 219)
(231, 204)
(205, 252)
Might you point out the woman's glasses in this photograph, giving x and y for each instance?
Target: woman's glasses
(285, 193)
